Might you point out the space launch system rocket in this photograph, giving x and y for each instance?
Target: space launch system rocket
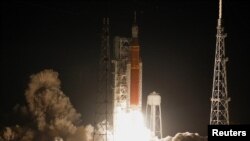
(127, 76)
(135, 66)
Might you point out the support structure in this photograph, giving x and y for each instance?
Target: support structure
(121, 87)
(219, 102)
(103, 113)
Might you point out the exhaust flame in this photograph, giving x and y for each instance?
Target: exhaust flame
(130, 126)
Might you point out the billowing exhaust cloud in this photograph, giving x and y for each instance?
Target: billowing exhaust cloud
(53, 115)
(17, 133)
(48, 105)
(185, 137)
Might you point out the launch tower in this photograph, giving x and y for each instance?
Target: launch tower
(219, 102)
(103, 114)
(121, 87)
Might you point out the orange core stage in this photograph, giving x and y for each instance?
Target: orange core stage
(135, 74)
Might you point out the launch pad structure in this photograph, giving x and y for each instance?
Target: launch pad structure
(103, 112)
(120, 61)
(127, 83)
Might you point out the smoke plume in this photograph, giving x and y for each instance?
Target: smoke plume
(185, 137)
(53, 115)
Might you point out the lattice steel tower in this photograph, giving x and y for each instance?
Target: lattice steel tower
(219, 102)
(103, 112)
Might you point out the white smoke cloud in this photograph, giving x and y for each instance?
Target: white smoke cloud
(54, 116)
(47, 103)
(17, 133)
(89, 129)
(28, 136)
(9, 134)
(185, 137)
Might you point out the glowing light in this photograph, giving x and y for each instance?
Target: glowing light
(130, 126)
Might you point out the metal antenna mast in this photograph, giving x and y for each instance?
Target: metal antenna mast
(103, 105)
(219, 102)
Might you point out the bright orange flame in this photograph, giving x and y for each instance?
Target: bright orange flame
(130, 126)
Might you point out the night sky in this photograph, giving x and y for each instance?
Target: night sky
(177, 41)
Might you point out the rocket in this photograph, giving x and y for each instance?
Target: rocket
(135, 70)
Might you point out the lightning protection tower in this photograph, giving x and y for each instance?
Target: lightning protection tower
(219, 102)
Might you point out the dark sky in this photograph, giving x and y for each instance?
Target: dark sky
(177, 48)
